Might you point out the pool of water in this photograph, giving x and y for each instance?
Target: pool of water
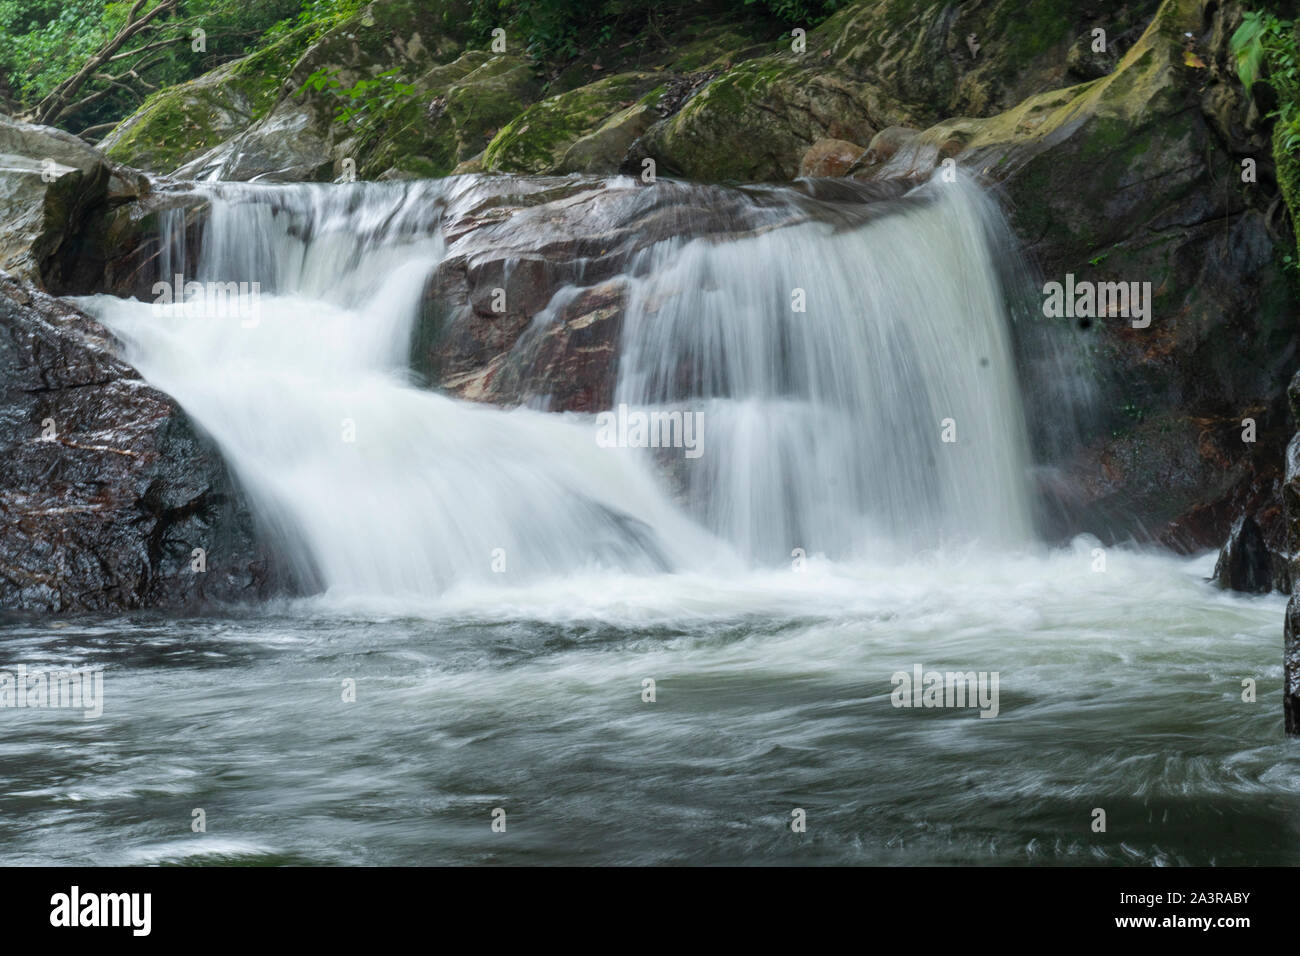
(1118, 689)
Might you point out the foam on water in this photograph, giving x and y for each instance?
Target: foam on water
(826, 361)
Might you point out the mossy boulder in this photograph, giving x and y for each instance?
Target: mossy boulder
(539, 138)
(460, 106)
(181, 122)
(940, 59)
(873, 65)
(756, 121)
(259, 118)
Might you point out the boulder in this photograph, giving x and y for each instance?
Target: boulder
(1128, 178)
(756, 121)
(179, 123)
(1245, 562)
(605, 113)
(106, 489)
(457, 110)
(296, 130)
(49, 180)
(830, 157)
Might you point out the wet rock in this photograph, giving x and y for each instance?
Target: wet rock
(1245, 562)
(1122, 179)
(106, 489)
(525, 309)
(1291, 667)
(884, 146)
(50, 181)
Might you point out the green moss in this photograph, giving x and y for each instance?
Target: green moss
(172, 126)
(460, 107)
(710, 46)
(536, 140)
(180, 122)
(1030, 29)
(260, 76)
(1288, 181)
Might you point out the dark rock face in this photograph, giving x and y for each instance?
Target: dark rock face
(1291, 667)
(109, 499)
(1291, 629)
(1137, 177)
(106, 490)
(1245, 563)
(52, 181)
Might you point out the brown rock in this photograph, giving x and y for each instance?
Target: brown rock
(830, 157)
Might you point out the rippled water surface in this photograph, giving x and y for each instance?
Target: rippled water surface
(1120, 690)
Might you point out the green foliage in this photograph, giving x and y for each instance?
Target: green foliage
(321, 15)
(43, 42)
(560, 29)
(364, 102)
(801, 12)
(1266, 50)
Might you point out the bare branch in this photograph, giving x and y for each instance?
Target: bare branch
(57, 104)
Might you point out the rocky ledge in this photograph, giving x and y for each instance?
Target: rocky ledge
(109, 497)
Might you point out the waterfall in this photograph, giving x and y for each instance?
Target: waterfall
(833, 363)
(851, 375)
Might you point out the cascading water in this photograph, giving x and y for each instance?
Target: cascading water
(853, 383)
(859, 382)
(377, 486)
(1121, 685)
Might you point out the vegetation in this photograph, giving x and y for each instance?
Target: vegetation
(86, 64)
(563, 28)
(1265, 47)
(364, 102)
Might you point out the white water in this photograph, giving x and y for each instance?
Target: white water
(1120, 687)
(825, 425)
(821, 429)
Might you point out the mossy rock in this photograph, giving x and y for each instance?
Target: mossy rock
(538, 139)
(180, 122)
(459, 108)
(408, 35)
(756, 121)
(972, 59)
